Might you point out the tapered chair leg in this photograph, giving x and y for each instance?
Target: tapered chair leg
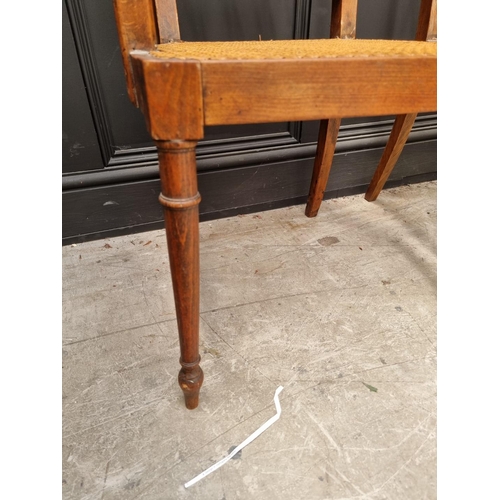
(327, 139)
(399, 134)
(180, 199)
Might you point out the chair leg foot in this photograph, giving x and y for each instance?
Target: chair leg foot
(327, 139)
(180, 199)
(190, 381)
(399, 134)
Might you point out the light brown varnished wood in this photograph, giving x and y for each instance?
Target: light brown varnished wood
(427, 21)
(426, 30)
(168, 20)
(170, 96)
(343, 25)
(136, 23)
(327, 139)
(180, 199)
(399, 134)
(261, 91)
(170, 99)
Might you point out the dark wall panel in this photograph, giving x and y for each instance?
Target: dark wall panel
(245, 19)
(113, 210)
(80, 147)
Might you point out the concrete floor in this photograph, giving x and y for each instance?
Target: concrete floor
(340, 310)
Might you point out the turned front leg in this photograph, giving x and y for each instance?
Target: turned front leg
(180, 199)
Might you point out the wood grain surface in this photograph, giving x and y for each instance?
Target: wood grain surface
(260, 91)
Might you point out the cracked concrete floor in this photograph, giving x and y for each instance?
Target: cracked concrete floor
(340, 310)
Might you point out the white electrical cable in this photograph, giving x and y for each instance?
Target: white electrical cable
(248, 440)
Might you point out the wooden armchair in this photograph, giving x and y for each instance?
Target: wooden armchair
(183, 86)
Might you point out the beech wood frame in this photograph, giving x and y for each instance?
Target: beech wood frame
(179, 97)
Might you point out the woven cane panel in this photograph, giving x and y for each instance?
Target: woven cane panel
(293, 49)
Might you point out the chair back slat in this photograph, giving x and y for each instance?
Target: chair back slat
(136, 22)
(427, 21)
(168, 20)
(343, 24)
